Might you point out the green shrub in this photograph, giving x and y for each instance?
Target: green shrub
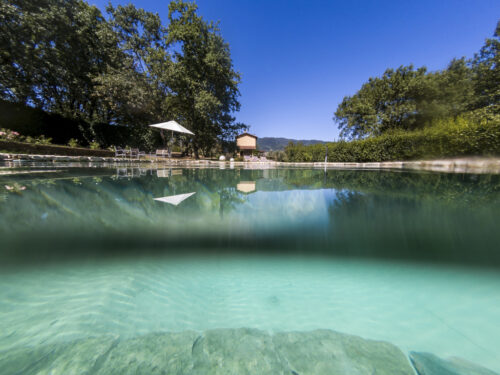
(445, 138)
(41, 140)
(95, 145)
(277, 155)
(73, 143)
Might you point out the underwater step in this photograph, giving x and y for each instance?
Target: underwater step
(219, 351)
(429, 364)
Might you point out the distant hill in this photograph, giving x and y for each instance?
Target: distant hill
(275, 144)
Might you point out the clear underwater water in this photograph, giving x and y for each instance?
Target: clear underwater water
(410, 258)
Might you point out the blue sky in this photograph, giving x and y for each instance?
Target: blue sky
(299, 58)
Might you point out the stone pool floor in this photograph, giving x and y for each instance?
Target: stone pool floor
(230, 351)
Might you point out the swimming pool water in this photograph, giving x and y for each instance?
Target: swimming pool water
(409, 258)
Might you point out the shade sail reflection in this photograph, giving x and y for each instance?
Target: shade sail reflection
(175, 199)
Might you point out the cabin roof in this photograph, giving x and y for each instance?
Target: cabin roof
(248, 134)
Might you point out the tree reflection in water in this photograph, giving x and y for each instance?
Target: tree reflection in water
(379, 214)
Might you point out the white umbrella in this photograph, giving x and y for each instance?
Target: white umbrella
(174, 199)
(173, 126)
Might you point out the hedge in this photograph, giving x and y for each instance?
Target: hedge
(447, 138)
(34, 122)
(29, 148)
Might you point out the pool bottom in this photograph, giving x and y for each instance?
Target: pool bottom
(418, 307)
(229, 351)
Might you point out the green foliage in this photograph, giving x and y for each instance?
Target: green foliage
(277, 155)
(486, 67)
(201, 77)
(132, 88)
(382, 104)
(73, 143)
(51, 52)
(94, 145)
(407, 99)
(464, 135)
(40, 140)
(66, 58)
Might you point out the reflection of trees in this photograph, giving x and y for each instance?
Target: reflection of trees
(102, 202)
(452, 189)
(229, 198)
(372, 213)
(216, 186)
(457, 225)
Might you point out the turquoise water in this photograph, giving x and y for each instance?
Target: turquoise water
(410, 258)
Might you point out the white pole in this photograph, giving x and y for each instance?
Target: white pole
(170, 146)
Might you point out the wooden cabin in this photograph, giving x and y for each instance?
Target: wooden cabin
(246, 143)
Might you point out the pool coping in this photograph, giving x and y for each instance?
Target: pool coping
(451, 165)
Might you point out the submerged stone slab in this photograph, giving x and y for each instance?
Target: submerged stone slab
(220, 351)
(329, 352)
(430, 364)
(236, 351)
(156, 353)
(77, 357)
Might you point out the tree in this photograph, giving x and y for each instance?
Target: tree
(382, 104)
(202, 80)
(444, 94)
(133, 90)
(486, 67)
(65, 57)
(408, 99)
(52, 50)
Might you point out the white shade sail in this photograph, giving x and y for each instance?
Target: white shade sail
(173, 126)
(174, 199)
